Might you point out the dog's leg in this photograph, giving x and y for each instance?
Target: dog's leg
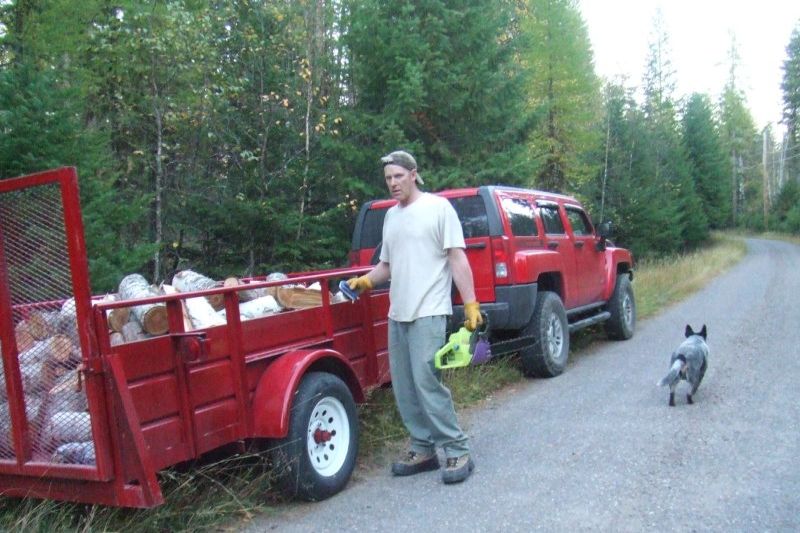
(672, 399)
(689, 399)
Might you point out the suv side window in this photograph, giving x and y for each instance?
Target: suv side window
(521, 217)
(581, 226)
(372, 228)
(551, 219)
(472, 214)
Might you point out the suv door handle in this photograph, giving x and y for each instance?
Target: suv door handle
(476, 246)
(579, 244)
(552, 245)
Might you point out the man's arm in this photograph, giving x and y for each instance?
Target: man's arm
(462, 273)
(379, 274)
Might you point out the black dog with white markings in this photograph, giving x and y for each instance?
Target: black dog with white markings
(688, 362)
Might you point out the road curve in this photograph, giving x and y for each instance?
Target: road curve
(598, 449)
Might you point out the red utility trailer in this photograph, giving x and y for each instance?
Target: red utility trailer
(84, 420)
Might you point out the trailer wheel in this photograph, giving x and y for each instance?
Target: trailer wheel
(548, 357)
(623, 310)
(317, 457)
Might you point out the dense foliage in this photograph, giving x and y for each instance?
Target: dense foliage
(241, 137)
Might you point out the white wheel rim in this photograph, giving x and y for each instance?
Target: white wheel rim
(328, 439)
(627, 310)
(554, 337)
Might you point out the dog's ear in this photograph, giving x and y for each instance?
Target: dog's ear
(703, 332)
(688, 331)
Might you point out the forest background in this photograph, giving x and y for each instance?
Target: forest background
(241, 137)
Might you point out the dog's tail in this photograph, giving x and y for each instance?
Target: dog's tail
(676, 368)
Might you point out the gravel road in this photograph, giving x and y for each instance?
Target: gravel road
(598, 449)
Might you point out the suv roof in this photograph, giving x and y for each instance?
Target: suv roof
(367, 234)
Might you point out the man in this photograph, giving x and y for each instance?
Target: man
(423, 254)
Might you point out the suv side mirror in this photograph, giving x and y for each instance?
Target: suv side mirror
(604, 230)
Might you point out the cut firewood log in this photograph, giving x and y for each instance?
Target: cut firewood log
(79, 453)
(298, 297)
(245, 295)
(189, 280)
(58, 349)
(275, 276)
(32, 408)
(118, 317)
(68, 426)
(266, 305)
(23, 335)
(152, 317)
(67, 394)
(68, 321)
(132, 332)
(43, 324)
(187, 322)
(202, 314)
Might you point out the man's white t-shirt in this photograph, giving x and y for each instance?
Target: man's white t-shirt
(415, 243)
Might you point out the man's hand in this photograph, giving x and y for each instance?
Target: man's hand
(360, 284)
(472, 313)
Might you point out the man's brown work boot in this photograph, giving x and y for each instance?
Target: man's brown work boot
(458, 469)
(414, 463)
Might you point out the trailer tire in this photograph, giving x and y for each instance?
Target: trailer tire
(548, 357)
(315, 460)
(622, 306)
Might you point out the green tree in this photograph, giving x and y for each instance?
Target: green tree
(670, 170)
(564, 94)
(741, 145)
(710, 166)
(791, 107)
(42, 125)
(441, 80)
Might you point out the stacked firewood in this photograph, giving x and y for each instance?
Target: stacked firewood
(144, 321)
(55, 403)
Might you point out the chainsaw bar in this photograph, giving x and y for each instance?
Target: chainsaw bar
(512, 345)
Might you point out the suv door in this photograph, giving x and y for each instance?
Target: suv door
(557, 240)
(589, 262)
(475, 225)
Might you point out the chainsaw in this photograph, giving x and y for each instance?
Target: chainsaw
(465, 347)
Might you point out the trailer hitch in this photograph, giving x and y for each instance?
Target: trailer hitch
(192, 347)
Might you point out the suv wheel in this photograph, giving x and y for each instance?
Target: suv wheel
(548, 357)
(622, 307)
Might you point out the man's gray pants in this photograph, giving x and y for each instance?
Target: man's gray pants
(425, 404)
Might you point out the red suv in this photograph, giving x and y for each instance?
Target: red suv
(541, 269)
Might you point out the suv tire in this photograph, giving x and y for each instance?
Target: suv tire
(622, 307)
(548, 356)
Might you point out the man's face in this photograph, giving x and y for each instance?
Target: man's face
(400, 181)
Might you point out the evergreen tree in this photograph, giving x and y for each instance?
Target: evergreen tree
(709, 163)
(742, 145)
(670, 170)
(791, 107)
(42, 126)
(564, 94)
(439, 79)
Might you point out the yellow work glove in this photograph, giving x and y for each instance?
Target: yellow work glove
(360, 284)
(472, 314)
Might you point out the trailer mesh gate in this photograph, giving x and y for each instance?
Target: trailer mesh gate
(49, 421)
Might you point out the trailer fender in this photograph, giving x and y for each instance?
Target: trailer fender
(275, 391)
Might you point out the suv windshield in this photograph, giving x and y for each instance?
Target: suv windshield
(470, 210)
